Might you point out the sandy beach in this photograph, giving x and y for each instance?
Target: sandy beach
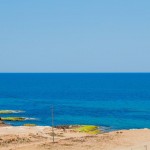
(39, 138)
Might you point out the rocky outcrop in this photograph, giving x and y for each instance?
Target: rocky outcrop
(2, 124)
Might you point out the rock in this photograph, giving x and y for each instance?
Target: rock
(2, 124)
(12, 118)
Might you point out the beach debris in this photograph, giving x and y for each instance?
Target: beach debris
(63, 127)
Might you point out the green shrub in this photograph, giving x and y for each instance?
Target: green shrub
(88, 129)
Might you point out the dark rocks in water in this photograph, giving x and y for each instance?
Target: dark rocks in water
(63, 127)
(2, 124)
(13, 118)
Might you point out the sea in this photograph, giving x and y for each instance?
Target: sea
(112, 101)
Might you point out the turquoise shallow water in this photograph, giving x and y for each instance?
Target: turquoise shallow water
(114, 101)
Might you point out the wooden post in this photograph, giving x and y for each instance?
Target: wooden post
(145, 147)
(52, 113)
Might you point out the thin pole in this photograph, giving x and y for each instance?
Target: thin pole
(145, 147)
(52, 111)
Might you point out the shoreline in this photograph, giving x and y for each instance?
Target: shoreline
(40, 138)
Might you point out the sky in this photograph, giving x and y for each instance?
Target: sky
(74, 35)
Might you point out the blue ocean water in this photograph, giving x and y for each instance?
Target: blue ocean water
(113, 100)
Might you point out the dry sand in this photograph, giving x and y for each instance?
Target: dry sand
(39, 138)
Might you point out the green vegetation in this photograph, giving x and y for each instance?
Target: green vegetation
(30, 125)
(88, 129)
(13, 118)
(6, 111)
(10, 111)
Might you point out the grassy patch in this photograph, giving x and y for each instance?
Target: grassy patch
(29, 125)
(88, 129)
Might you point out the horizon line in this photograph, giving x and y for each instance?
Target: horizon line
(68, 72)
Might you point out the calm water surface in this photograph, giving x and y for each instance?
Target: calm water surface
(115, 101)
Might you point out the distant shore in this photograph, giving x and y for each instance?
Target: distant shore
(40, 138)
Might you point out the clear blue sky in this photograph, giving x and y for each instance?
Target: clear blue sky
(74, 35)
